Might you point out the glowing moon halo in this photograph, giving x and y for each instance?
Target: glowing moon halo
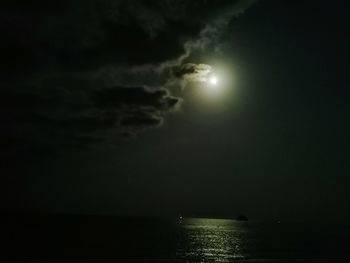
(213, 80)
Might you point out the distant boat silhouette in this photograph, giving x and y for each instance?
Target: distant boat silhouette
(242, 218)
(180, 219)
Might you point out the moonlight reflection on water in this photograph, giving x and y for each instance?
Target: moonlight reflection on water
(210, 240)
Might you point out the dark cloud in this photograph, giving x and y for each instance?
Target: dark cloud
(134, 97)
(76, 72)
(192, 72)
(136, 107)
(142, 120)
(96, 115)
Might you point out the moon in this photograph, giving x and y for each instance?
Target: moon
(213, 80)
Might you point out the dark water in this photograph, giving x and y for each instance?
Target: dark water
(110, 239)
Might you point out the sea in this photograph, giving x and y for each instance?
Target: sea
(62, 238)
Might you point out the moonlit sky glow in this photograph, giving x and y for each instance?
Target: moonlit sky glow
(167, 106)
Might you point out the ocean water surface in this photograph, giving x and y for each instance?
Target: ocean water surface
(111, 239)
(217, 240)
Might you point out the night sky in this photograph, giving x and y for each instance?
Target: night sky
(106, 108)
